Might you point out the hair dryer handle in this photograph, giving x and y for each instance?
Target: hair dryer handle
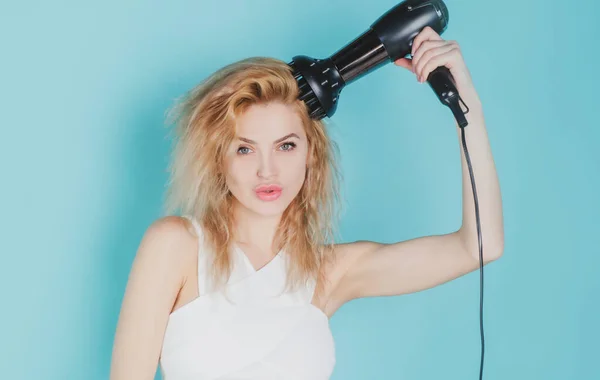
(444, 86)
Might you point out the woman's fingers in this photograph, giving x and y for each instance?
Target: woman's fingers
(405, 62)
(425, 46)
(439, 55)
(426, 34)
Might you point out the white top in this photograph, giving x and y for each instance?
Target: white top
(253, 332)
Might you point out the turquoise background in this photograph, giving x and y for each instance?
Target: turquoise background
(83, 90)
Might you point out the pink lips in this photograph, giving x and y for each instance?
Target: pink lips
(267, 188)
(268, 192)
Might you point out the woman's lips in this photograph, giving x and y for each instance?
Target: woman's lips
(268, 195)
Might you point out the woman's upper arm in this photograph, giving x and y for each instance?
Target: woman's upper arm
(156, 276)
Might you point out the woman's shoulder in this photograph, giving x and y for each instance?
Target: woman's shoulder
(340, 257)
(174, 226)
(175, 237)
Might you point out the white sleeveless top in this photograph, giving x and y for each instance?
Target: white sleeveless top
(261, 334)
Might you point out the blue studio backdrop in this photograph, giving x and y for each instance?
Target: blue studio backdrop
(84, 87)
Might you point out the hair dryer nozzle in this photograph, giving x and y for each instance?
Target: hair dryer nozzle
(319, 84)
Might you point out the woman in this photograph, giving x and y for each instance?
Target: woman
(243, 286)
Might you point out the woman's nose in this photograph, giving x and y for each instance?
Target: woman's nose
(266, 167)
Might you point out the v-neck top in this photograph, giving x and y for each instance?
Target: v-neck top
(254, 331)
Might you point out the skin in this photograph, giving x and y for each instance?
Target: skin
(168, 249)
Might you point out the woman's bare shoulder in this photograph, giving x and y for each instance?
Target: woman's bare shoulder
(173, 224)
(340, 259)
(174, 239)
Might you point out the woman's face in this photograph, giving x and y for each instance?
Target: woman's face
(270, 148)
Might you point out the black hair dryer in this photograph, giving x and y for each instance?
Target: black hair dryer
(320, 81)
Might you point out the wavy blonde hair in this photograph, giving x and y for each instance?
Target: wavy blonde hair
(204, 121)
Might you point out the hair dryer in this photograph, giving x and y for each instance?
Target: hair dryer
(389, 38)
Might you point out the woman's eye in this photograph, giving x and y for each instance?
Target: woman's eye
(242, 147)
(291, 144)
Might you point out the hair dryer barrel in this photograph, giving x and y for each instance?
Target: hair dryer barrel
(389, 37)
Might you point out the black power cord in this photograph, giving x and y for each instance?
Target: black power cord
(480, 243)
(462, 123)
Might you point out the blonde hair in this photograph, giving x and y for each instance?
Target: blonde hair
(204, 122)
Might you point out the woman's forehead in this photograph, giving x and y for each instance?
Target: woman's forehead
(268, 120)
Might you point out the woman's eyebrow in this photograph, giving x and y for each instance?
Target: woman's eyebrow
(274, 142)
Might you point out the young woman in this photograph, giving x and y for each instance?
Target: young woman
(243, 285)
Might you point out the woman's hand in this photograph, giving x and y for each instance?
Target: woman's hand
(430, 51)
